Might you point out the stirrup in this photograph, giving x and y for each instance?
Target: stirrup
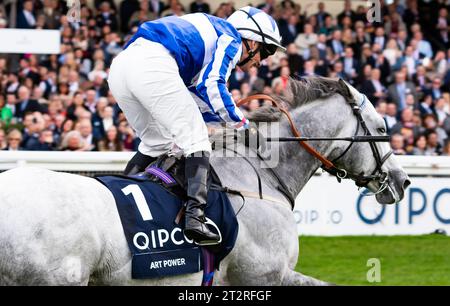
(200, 242)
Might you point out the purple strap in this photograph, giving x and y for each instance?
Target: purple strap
(208, 268)
(163, 175)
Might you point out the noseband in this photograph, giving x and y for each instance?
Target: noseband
(361, 180)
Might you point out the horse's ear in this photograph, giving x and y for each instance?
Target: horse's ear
(345, 87)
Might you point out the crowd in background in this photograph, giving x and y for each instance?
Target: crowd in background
(62, 102)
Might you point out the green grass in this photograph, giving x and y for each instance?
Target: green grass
(405, 260)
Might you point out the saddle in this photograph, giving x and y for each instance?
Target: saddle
(150, 206)
(168, 171)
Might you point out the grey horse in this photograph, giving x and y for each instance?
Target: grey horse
(64, 229)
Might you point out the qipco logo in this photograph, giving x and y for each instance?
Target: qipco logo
(313, 216)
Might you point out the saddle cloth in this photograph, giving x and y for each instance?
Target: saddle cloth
(148, 210)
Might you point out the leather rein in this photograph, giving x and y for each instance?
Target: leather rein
(361, 180)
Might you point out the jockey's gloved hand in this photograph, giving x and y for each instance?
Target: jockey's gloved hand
(243, 125)
(252, 138)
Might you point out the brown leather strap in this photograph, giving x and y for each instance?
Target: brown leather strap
(265, 197)
(180, 215)
(326, 163)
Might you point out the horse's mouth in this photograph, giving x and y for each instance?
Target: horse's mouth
(394, 191)
(388, 196)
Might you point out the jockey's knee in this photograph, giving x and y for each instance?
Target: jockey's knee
(138, 163)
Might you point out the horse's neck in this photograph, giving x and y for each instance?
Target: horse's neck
(295, 166)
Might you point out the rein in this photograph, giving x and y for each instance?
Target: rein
(329, 166)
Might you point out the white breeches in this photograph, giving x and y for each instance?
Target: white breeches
(145, 81)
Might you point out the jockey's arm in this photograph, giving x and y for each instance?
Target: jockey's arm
(211, 84)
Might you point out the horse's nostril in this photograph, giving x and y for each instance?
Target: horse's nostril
(406, 183)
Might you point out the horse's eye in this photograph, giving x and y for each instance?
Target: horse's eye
(382, 130)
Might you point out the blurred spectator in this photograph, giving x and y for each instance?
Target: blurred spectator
(441, 110)
(351, 65)
(321, 14)
(26, 18)
(406, 122)
(130, 143)
(309, 69)
(3, 143)
(443, 26)
(446, 150)
(14, 139)
(6, 114)
(399, 90)
(336, 44)
(411, 14)
(347, 12)
(175, 8)
(25, 104)
(420, 146)
(394, 25)
(256, 83)
(73, 141)
(111, 141)
(283, 80)
(112, 4)
(402, 64)
(91, 100)
(392, 53)
(379, 38)
(426, 107)
(424, 47)
(143, 14)
(436, 89)
(434, 148)
(107, 16)
(306, 40)
(34, 125)
(3, 23)
(199, 6)
(85, 128)
(421, 79)
(440, 63)
(430, 124)
(373, 88)
(127, 9)
(289, 29)
(157, 7)
(268, 6)
(398, 144)
(295, 60)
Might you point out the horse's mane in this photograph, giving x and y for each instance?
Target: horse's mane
(302, 92)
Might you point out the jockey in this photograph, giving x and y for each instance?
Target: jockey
(171, 78)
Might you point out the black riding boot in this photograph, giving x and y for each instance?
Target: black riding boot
(196, 171)
(138, 163)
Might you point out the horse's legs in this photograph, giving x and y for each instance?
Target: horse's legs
(294, 278)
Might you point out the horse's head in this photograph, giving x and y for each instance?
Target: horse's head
(338, 111)
(372, 164)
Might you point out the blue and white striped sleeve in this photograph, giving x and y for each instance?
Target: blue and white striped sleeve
(211, 84)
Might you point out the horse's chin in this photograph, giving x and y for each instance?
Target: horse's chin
(388, 196)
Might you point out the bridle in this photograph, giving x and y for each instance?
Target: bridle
(377, 174)
(361, 180)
